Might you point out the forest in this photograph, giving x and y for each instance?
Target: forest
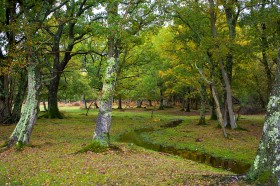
(139, 92)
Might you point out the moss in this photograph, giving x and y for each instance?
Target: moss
(95, 146)
(267, 178)
(19, 145)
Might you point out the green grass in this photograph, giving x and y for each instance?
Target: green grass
(241, 144)
(50, 159)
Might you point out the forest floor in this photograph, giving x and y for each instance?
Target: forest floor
(51, 157)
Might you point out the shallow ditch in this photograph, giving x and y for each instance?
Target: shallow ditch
(135, 137)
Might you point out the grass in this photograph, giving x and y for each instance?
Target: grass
(51, 157)
(241, 144)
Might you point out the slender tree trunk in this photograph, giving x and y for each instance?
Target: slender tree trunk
(202, 104)
(45, 106)
(139, 103)
(120, 103)
(218, 109)
(150, 103)
(264, 45)
(5, 107)
(183, 104)
(266, 167)
(161, 105)
(228, 98)
(85, 101)
(22, 132)
(188, 108)
(16, 113)
(213, 113)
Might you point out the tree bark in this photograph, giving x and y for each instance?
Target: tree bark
(85, 102)
(16, 112)
(22, 132)
(183, 104)
(213, 113)
(266, 167)
(104, 118)
(202, 104)
(150, 103)
(139, 103)
(120, 103)
(53, 111)
(161, 105)
(228, 97)
(103, 124)
(218, 109)
(5, 106)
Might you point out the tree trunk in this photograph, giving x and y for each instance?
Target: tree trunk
(85, 101)
(103, 123)
(224, 73)
(22, 132)
(120, 103)
(5, 106)
(183, 104)
(218, 109)
(16, 113)
(202, 104)
(264, 45)
(139, 103)
(53, 111)
(266, 167)
(161, 105)
(228, 97)
(45, 106)
(188, 108)
(150, 103)
(213, 113)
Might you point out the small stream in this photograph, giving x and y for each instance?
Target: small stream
(135, 137)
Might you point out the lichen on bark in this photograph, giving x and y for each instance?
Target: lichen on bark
(266, 167)
(104, 118)
(23, 129)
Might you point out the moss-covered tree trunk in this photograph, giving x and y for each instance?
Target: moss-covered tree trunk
(266, 167)
(23, 129)
(103, 123)
(104, 118)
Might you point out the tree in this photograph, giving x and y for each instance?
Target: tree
(261, 22)
(71, 27)
(266, 167)
(121, 19)
(103, 123)
(13, 81)
(34, 14)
